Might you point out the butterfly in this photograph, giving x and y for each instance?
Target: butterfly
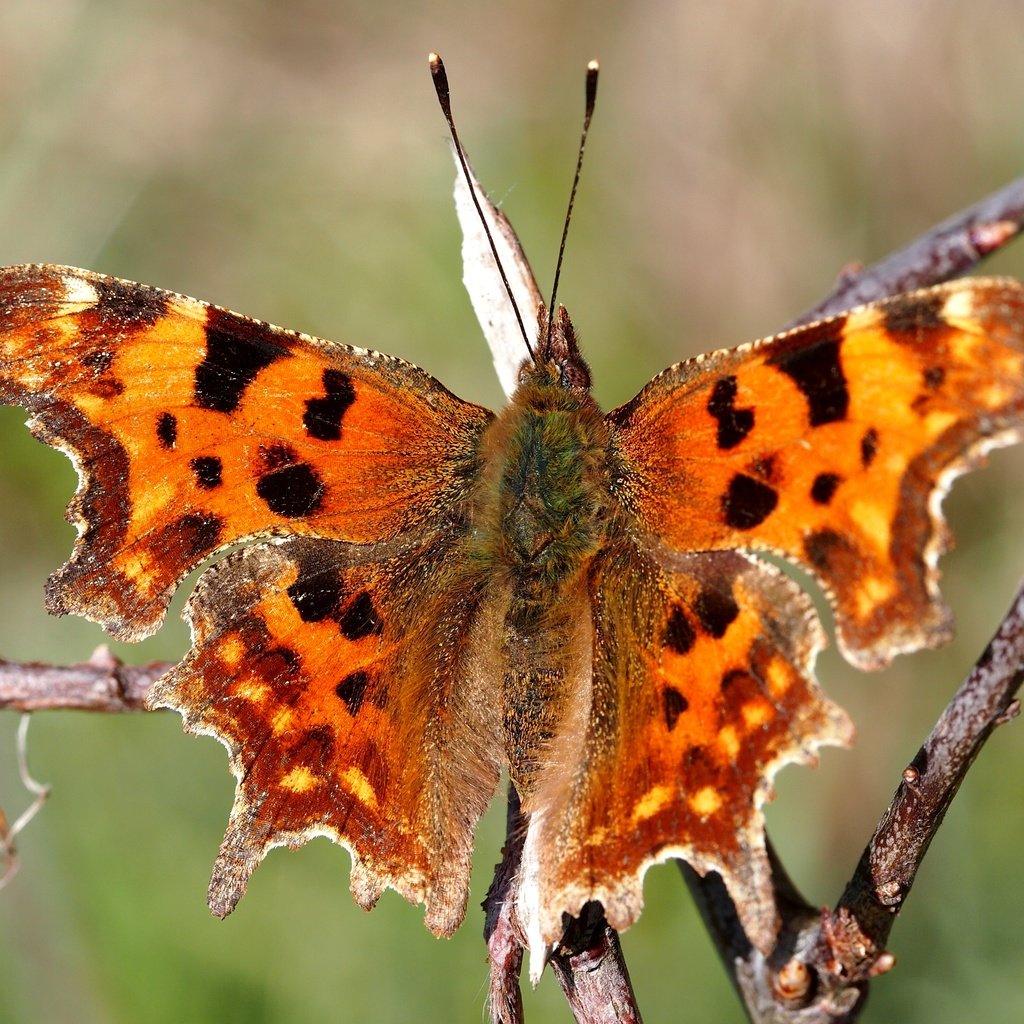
(429, 594)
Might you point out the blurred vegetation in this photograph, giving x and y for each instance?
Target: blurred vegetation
(288, 160)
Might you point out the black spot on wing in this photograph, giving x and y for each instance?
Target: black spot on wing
(822, 547)
(122, 304)
(360, 618)
(934, 377)
(352, 690)
(316, 594)
(679, 634)
(98, 360)
(236, 351)
(748, 502)
(868, 447)
(292, 491)
(323, 416)
(816, 369)
(207, 470)
(733, 424)
(167, 429)
(716, 611)
(824, 487)
(314, 748)
(675, 704)
(913, 313)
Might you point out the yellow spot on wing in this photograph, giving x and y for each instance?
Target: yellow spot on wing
(779, 677)
(231, 651)
(282, 721)
(249, 689)
(873, 591)
(705, 801)
(756, 713)
(729, 742)
(299, 780)
(873, 521)
(938, 422)
(359, 786)
(651, 802)
(140, 568)
(997, 394)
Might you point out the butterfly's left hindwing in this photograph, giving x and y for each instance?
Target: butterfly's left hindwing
(342, 682)
(833, 445)
(194, 428)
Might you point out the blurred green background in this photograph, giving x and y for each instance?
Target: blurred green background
(288, 160)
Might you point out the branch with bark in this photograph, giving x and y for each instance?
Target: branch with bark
(822, 964)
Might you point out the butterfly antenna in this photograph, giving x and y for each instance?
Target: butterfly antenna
(591, 97)
(440, 78)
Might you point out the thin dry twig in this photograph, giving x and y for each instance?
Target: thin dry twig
(39, 791)
(951, 249)
(856, 932)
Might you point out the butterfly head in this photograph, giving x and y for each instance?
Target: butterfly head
(557, 356)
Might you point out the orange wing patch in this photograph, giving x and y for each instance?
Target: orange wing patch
(702, 691)
(163, 403)
(318, 665)
(833, 445)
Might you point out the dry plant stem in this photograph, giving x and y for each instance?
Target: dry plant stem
(9, 831)
(505, 940)
(591, 970)
(859, 927)
(102, 683)
(949, 250)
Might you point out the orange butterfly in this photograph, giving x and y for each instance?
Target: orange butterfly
(432, 593)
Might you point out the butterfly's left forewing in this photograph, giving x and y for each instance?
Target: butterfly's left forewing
(194, 428)
(832, 445)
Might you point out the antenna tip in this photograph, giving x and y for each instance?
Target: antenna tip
(591, 88)
(440, 78)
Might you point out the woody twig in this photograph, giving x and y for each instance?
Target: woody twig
(103, 683)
